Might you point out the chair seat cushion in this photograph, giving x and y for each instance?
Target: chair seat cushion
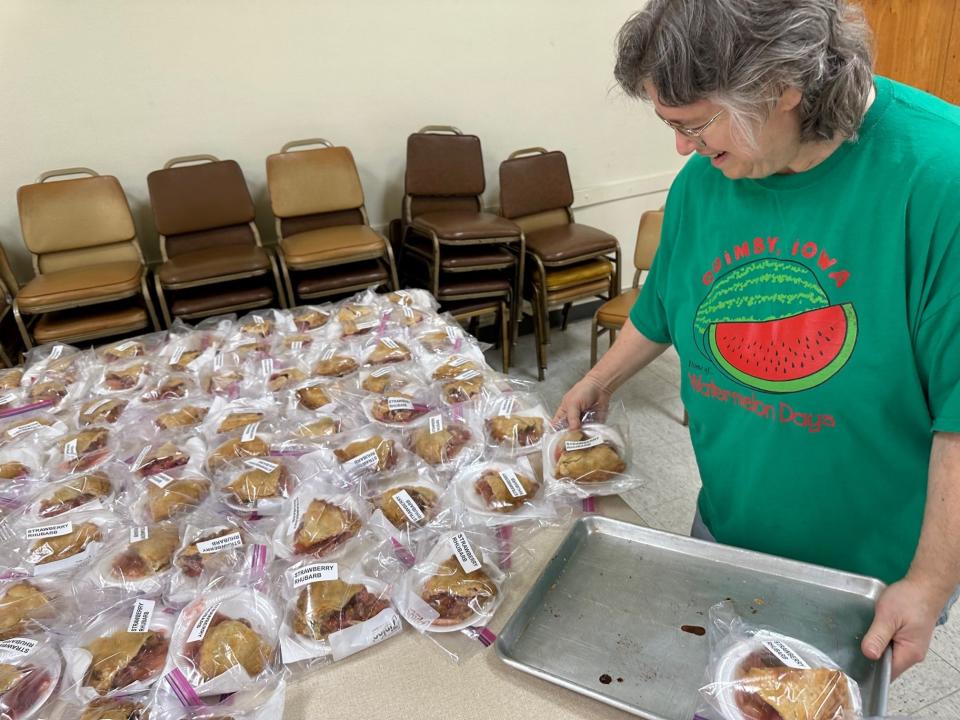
(82, 283)
(614, 313)
(594, 288)
(561, 243)
(331, 244)
(211, 263)
(456, 225)
(89, 322)
(212, 299)
(465, 257)
(474, 284)
(328, 281)
(472, 307)
(578, 274)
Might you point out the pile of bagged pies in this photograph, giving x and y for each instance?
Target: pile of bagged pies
(187, 514)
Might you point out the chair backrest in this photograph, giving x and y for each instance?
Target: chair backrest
(535, 189)
(201, 206)
(648, 240)
(7, 278)
(444, 172)
(316, 188)
(78, 222)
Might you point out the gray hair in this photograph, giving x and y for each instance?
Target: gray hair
(742, 54)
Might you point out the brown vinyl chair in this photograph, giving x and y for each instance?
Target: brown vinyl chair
(443, 227)
(613, 314)
(8, 290)
(90, 275)
(324, 240)
(567, 261)
(213, 260)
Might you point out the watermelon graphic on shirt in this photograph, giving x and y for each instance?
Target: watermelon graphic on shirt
(770, 326)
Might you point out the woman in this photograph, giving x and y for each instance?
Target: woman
(809, 278)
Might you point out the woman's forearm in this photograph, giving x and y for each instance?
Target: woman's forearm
(631, 352)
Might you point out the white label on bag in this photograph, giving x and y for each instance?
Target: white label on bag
(328, 354)
(381, 372)
(141, 616)
(506, 405)
(177, 354)
(56, 352)
(203, 623)
(458, 361)
(514, 486)
(249, 432)
(785, 654)
(318, 572)
(346, 642)
(468, 375)
(408, 506)
(138, 463)
(96, 406)
(218, 360)
(390, 343)
(258, 320)
(418, 613)
(366, 325)
(123, 346)
(260, 464)
(362, 461)
(266, 366)
(7, 399)
(49, 531)
(395, 403)
(571, 445)
(70, 450)
(25, 428)
(464, 552)
(161, 480)
(451, 333)
(137, 534)
(436, 424)
(221, 543)
(296, 345)
(407, 312)
(17, 646)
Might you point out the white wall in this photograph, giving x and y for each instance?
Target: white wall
(123, 85)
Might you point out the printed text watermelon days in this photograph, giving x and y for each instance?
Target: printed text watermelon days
(769, 246)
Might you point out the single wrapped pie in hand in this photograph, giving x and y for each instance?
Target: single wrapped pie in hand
(331, 605)
(597, 463)
(782, 693)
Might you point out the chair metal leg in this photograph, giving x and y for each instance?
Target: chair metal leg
(516, 303)
(538, 336)
(613, 336)
(24, 334)
(286, 279)
(145, 291)
(566, 316)
(391, 261)
(594, 336)
(281, 293)
(164, 309)
(504, 317)
(474, 326)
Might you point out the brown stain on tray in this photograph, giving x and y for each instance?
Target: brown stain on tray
(694, 629)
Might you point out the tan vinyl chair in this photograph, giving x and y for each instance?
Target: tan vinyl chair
(324, 240)
(613, 314)
(90, 275)
(213, 260)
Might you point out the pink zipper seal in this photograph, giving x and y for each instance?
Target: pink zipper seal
(590, 504)
(485, 635)
(403, 553)
(11, 412)
(182, 688)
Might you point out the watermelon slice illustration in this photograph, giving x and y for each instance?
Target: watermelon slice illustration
(787, 354)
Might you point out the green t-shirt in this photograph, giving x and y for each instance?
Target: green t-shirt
(817, 320)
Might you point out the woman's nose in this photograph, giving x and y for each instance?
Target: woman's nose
(685, 145)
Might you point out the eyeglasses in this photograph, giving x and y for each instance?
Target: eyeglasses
(692, 133)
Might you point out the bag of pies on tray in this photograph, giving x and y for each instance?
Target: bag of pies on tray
(595, 459)
(123, 351)
(504, 491)
(515, 422)
(447, 440)
(335, 361)
(119, 649)
(366, 455)
(30, 672)
(760, 674)
(331, 611)
(225, 640)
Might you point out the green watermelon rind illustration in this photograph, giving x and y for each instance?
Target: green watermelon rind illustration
(795, 290)
(795, 384)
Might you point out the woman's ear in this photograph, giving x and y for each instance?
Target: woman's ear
(789, 99)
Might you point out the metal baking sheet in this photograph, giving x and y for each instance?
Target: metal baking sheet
(611, 603)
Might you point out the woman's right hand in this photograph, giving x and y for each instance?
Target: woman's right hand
(588, 395)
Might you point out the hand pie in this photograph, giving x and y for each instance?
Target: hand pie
(257, 326)
(102, 411)
(515, 430)
(457, 365)
(809, 694)
(400, 297)
(24, 428)
(124, 379)
(10, 379)
(335, 366)
(324, 427)
(186, 416)
(124, 658)
(14, 470)
(590, 465)
(456, 595)
(424, 498)
(439, 447)
(310, 320)
(176, 497)
(87, 441)
(323, 528)
(437, 340)
(169, 389)
(48, 550)
(495, 493)
(386, 455)
(124, 351)
(224, 382)
(285, 378)
(21, 605)
(388, 351)
(256, 484)
(186, 357)
(328, 606)
(74, 493)
(238, 449)
(146, 558)
(462, 390)
(193, 562)
(397, 408)
(238, 420)
(20, 688)
(357, 319)
(228, 642)
(115, 709)
(312, 397)
(164, 458)
(47, 391)
(380, 383)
